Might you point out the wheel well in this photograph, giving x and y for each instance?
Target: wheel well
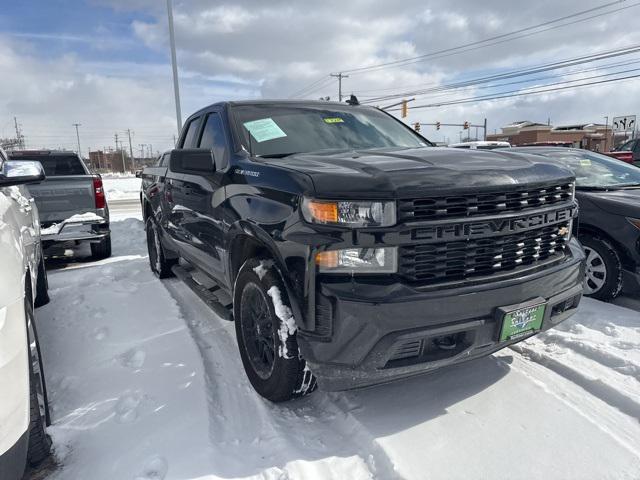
(625, 258)
(243, 248)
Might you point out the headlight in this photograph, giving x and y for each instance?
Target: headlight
(634, 221)
(350, 213)
(358, 260)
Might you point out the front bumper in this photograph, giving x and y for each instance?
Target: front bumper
(376, 340)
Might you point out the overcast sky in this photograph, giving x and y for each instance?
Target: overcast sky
(105, 63)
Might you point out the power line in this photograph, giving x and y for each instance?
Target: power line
(311, 85)
(515, 73)
(519, 93)
(502, 39)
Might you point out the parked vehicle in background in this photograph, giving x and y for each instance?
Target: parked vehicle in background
(24, 412)
(347, 250)
(480, 145)
(628, 152)
(608, 193)
(72, 202)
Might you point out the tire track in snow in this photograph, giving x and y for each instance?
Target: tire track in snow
(308, 438)
(613, 422)
(594, 386)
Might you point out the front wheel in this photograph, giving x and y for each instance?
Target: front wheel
(39, 441)
(266, 333)
(603, 272)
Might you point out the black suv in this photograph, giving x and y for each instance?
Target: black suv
(349, 251)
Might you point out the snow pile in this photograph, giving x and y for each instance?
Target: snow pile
(287, 322)
(121, 188)
(145, 382)
(55, 228)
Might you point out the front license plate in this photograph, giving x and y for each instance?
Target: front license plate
(521, 322)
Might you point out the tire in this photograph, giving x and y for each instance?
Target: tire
(42, 286)
(603, 271)
(265, 330)
(39, 441)
(102, 249)
(160, 265)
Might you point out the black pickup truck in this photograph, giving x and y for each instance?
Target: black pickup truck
(349, 251)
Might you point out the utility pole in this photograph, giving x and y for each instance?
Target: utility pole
(78, 137)
(124, 168)
(19, 136)
(130, 148)
(485, 129)
(339, 76)
(174, 65)
(606, 133)
(141, 145)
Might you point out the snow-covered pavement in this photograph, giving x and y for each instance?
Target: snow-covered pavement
(145, 382)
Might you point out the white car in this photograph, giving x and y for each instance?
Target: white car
(24, 412)
(481, 145)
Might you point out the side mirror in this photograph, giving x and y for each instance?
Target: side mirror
(21, 172)
(198, 161)
(138, 173)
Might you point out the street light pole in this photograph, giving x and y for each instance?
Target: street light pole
(606, 133)
(174, 65)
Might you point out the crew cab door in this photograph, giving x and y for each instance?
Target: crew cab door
(201, 221)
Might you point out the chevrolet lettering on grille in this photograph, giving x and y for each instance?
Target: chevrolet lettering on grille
(461, 231)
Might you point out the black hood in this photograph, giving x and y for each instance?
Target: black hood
(617, 202)
(402, 173)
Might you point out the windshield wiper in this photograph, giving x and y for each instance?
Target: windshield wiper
(618, 186)
(277, 155)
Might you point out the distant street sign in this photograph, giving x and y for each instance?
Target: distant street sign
(623, 124)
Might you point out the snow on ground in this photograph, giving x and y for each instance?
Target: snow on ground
(121, 187)
(145, 382)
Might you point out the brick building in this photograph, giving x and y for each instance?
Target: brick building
(590, 136)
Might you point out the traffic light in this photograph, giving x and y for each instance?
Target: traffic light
(416, 126)
(465, 126)
(437, 125)
(405, 109)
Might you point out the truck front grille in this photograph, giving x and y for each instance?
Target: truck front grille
(443, 262)
(461, 206)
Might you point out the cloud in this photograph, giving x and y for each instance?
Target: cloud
(251, 48)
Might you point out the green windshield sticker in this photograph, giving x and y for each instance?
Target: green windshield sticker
(333, 120)
(585, 162)
(264, 129)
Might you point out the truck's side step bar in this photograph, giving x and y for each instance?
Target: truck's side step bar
(210, 294)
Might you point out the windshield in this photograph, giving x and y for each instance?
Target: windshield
(593, 170)
(276, 130)
(627, 147)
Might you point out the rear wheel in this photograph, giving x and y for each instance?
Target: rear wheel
(158, 261)
(39, 441)
(266, 333)
(101, 249)
(603, 271)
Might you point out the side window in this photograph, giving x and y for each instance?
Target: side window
(190, 137)
(213, 137)
(165, 160)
